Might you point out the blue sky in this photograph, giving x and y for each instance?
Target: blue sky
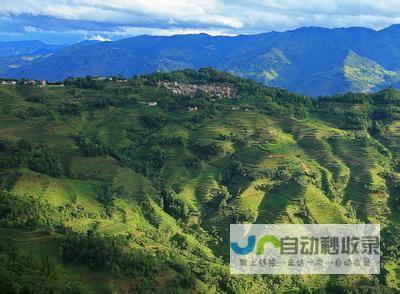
(68, 21)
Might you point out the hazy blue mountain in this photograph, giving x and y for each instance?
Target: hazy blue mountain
(16, 54)
(313, 61)
(16, 48)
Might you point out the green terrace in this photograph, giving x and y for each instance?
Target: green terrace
(126, 195)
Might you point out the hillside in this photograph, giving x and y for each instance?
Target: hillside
(131, 187)
(312, 61)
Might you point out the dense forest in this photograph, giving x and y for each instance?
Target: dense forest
(129, 186)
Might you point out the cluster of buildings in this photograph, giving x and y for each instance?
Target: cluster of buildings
(29, 82)
(8, 82)
(218, 91)
(117, 80)
(44, 83)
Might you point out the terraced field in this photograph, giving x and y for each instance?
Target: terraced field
(168, 182)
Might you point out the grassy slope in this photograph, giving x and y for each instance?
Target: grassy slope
(327, 168)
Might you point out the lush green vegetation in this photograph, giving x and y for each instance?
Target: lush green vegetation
(103, 191)
(22, 273)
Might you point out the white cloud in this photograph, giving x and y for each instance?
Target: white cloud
(134, 31)
(97, 38)
(124, 12)
(124, 17)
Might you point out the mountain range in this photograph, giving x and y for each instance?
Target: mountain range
(311, 60)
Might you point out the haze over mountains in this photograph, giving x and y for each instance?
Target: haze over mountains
(312, 61)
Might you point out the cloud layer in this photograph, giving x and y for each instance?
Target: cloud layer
(120, 18)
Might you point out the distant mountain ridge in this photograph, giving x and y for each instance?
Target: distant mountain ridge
(17, 48)
(311, 60)
(16, 54)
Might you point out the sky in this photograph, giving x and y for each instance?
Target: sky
(70, 21)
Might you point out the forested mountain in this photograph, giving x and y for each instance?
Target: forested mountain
(130, 186)
(312, 61)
